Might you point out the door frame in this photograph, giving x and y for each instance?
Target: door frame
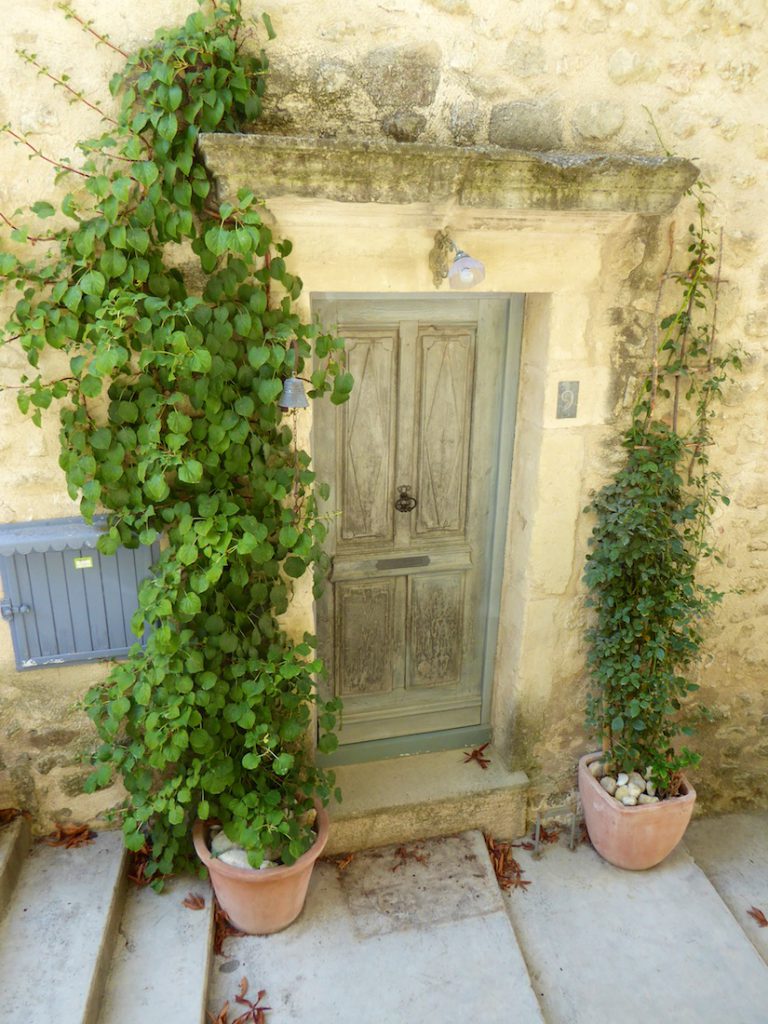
(377, 749)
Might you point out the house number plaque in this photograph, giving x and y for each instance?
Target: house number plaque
(567, 399)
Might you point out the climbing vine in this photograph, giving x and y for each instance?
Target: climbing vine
(175, 314)
(653, 532)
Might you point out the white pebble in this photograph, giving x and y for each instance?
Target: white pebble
(236, 857)
(645, 799)
(609, 784)
(220, 844)
(622, 778)
(650, 788)
(621, 792)
(596, 769)
(629, 801)
(636, 779)
(634, 790)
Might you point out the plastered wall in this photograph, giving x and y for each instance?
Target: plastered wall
(573, 75)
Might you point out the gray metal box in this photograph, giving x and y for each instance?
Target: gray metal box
(64, 601)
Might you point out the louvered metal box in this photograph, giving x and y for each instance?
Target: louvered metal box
(64, 601)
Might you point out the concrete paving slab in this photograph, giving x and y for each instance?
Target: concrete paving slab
(636, 947)
(159, 969)
(14, 845)
(420, 937)
(57, 931)
(732, 850)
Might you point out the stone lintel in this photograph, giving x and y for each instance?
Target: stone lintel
(359, 171)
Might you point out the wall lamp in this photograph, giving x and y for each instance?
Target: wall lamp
(447, 260)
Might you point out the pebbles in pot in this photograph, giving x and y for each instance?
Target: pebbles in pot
(622, 778)
(609, 784)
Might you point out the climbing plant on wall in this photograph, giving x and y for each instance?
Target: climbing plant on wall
(652, 534)
(173, 315)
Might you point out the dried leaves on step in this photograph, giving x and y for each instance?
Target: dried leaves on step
(137, 865)
(547, 835)
(223, 929)
(759, 916)
(342, 862)
(508, 872)
(70, 836)
(403, 855)
(194, 901)
(477, 756)
(255, 1014)
(9, 814)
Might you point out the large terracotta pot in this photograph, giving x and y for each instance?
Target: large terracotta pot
(632, 837)
(261, 902)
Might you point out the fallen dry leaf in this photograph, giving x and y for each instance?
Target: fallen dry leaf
(70, 836)
(477, 755)
(759, 916)
(223, 929)
(404, 855)
(193, 901)
(548, 835)
(342, 863)
(8, 814)
(507, 870)
(222, 1017)
(137, 865)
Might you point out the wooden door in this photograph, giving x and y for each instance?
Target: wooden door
(407, 621)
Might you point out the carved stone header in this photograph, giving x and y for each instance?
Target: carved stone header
(486, 177)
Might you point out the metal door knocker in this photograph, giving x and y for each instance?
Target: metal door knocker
(405, 503)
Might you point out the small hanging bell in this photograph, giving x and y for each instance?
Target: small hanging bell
(293, 396)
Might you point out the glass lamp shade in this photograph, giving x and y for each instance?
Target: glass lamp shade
(293, 396)
(465, 272)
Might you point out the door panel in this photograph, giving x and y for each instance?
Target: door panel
(403, 624)
(435, 633)
(367, 452)
(443, 421)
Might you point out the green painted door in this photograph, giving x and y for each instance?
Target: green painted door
(407, 623)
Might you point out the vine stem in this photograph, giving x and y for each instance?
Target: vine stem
(29, 58)
(69, 10)
(41, 154)
(710, 354)
(656, 309)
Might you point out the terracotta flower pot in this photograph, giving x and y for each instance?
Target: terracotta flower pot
(261, 902)
(632, 837)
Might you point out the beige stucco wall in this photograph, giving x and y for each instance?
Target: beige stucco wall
(565, 74)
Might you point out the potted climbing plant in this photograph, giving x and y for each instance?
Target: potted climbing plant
(649, 603)
(172, 315)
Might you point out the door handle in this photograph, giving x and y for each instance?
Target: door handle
(405, 503)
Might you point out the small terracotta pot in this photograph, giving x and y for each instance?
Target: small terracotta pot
(638, 837)
(261, 902)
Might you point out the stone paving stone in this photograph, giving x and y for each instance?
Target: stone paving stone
(604, 944)
(391, 938)
(732, 850)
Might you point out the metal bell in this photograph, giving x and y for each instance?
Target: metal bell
(293, 396)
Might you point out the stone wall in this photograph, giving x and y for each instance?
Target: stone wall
(570, 75)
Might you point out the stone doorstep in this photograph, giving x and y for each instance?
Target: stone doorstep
(425, 795)
(15, 840)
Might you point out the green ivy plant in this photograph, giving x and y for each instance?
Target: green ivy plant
(174, 315)
(652, 534)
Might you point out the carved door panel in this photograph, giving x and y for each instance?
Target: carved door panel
(412, 463)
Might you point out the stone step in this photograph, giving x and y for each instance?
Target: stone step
(633, 946)
(405, 799)
(57, 934)
(161, 958)
(15, 840)
(732, 850)
(415, 933)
